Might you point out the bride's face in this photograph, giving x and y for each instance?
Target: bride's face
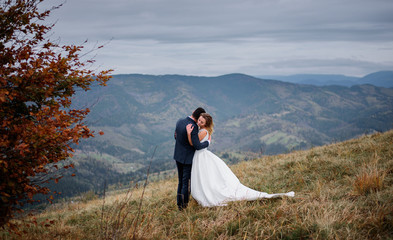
(201, 122)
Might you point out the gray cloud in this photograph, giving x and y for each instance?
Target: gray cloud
(231, 35)
(328, 65)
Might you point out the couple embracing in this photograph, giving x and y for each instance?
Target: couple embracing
(212, 181)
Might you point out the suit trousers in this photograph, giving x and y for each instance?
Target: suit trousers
(183, 191)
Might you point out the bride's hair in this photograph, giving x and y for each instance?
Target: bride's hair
(209, 125)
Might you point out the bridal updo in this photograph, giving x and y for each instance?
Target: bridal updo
(209, 125)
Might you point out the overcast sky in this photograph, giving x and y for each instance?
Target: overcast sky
(216, 37)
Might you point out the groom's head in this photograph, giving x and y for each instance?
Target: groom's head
(197, 113)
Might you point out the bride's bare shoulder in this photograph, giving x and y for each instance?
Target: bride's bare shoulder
(202, 133)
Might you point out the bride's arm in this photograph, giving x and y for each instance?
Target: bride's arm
(201, 134)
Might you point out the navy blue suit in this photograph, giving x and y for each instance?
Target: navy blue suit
(184, 153)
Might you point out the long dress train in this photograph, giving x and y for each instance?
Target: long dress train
(214, 184)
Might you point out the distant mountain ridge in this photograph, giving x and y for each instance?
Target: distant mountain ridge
(380, 79)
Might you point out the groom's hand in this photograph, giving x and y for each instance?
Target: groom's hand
(189, 128)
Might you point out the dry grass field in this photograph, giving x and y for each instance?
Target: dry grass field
(343, 191)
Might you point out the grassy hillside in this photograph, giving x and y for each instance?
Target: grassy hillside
(343, 191)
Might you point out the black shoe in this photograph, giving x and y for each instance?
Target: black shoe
(181, 208)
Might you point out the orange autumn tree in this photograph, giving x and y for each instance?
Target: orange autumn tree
(38, 77)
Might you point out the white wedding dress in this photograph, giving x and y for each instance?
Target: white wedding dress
(214, 184)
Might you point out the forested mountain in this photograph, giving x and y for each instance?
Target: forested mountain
(252, 116)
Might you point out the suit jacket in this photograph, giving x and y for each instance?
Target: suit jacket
(184, 152)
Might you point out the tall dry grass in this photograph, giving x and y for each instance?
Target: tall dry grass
(343, 191)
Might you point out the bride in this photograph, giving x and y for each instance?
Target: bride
(212, 181)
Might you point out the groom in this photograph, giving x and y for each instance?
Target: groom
(184, 154)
